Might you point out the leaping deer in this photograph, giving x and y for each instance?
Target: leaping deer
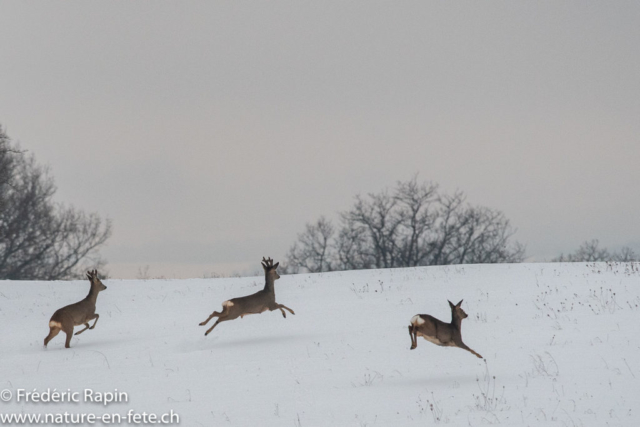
(82, 312)
(252, 304)
(438, 332)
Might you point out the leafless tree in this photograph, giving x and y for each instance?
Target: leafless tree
(590, 251)
(412, 226)
(311, 252)
(480, 235)
(40, 239)
(626, 254)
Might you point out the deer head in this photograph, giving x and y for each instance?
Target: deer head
(96, 284)
(457, 311)
(270, 269)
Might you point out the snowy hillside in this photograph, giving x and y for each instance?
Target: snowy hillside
(560, 341)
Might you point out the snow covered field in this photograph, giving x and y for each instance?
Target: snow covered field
(560, 341)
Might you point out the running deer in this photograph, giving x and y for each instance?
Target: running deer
(80, 313)
(438, 332)
(252, 304)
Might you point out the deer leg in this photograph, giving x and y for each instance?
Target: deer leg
(411, 336)
(220, 319)
(474, 353)
(413, 333)
(214, 314)
(281, 306)
(69, 332)
(465, 347)
(96, 316)
(86, 326)
(52, 333)
(276, 306)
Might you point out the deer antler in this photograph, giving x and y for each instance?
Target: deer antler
(92, 274)
(267, 263)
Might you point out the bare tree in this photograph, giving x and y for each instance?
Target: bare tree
(626, 254)
(311, 252)
(481, 236)
(412, 226)
(590, 251)
(40, 239)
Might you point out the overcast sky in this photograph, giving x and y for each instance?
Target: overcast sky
(211, 132)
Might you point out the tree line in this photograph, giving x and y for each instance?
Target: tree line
(590, 251)
(414, 224)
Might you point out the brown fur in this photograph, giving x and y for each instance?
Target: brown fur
(439, 332)
(80, 313)
(252, 304)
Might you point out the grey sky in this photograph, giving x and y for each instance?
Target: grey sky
(211, 132)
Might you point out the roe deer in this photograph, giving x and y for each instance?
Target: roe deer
(438, 332)
(252, 304)
(80, 313)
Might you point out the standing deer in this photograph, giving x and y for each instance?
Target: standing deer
(252, 304)
(438, 332)
(80, 313)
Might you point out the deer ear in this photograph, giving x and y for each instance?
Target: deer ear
(276, 266)
(263, 265)
(458, 304)
(451, 304)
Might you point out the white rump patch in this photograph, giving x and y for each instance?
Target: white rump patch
(227, 304)
(417, 320)
(54, 324)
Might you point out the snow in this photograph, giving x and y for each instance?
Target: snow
(560, 342)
